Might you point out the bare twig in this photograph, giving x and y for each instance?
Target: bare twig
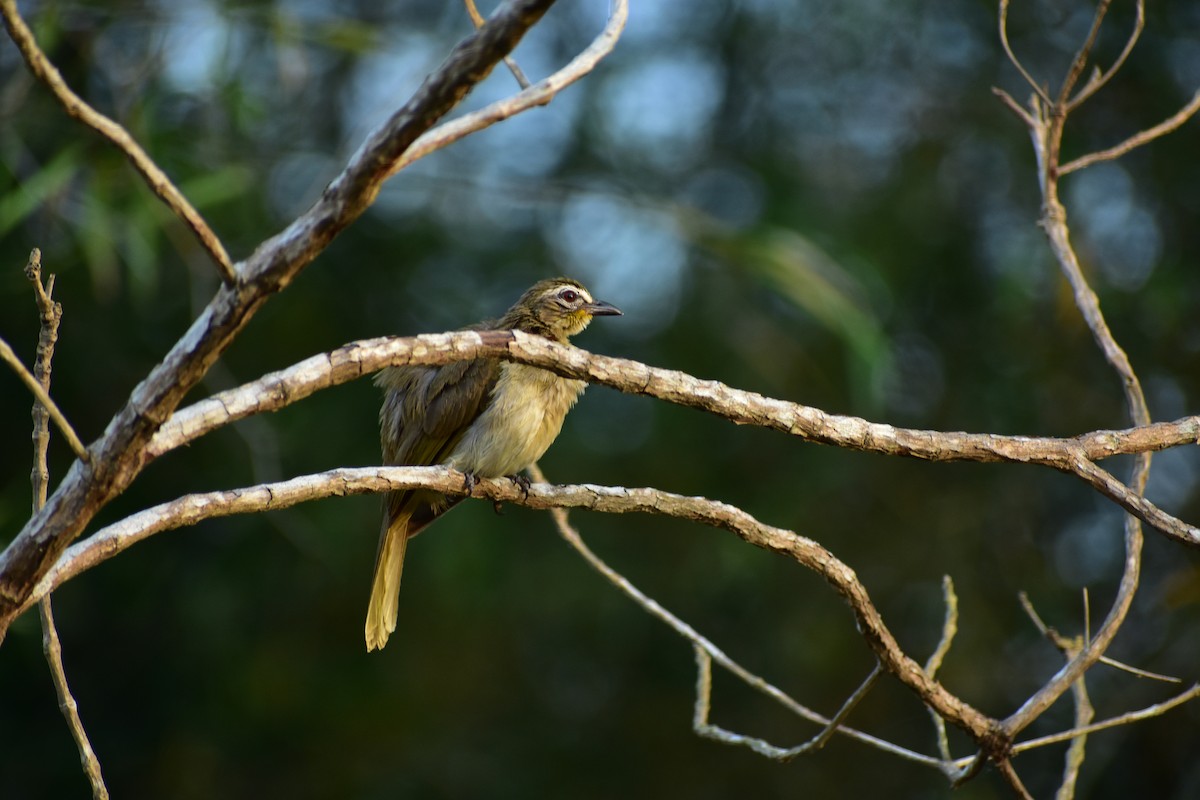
(706, 729)
(76, 108)
(66, 702)
(934, 663)
(539, 94)
(1137, 140)
(1012, 57)
(1013, 106)
(510, 62)
(708, 651)
(50, 313)
(1098, 79)
(43, 397)
(1009, 773)
(1079, 63)
(1124, 719)
(1070, 648)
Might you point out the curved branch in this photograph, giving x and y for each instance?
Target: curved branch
(1012, 57)
(76, 108)
(190, 509)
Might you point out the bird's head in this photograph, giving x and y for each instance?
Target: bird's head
(557, 308)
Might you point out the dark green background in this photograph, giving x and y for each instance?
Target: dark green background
(821, 202)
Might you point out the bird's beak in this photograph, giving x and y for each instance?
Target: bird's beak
(599, 308)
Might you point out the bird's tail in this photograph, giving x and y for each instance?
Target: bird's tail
(385, 587)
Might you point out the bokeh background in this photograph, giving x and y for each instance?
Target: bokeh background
(818, 201)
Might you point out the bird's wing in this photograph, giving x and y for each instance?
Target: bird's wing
(426, 412)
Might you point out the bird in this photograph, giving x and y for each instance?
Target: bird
(487, 418)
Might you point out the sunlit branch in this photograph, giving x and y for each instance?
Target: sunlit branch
(1075, 456)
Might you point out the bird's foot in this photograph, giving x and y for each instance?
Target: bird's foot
(469, 481)
(522, 482)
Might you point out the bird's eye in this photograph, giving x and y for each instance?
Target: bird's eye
(569, 295)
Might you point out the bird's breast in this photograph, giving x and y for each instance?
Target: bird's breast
(523, 417)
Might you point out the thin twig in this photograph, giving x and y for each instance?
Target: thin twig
(1124, 719)
(1013, 57)
(1070, 648)
(1137, 140)
(43, 397)
(1079, 63)
(1009, 773)
(50, 314)
(1098, 80)
(706, 729)
(651, 606)
(949, 630)
(76, 108)
(509, 61)
(1014, 106)
(66, 702)
(538, 94)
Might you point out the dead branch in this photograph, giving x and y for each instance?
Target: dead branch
(193, 508)
(50, 314)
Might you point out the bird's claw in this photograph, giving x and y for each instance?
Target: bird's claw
(522, 482)
(469, 481)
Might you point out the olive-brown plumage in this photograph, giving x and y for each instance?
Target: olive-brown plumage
(487, 418)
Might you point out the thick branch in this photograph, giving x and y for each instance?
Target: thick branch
(119, 455)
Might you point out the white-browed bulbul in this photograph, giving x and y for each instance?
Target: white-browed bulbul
(487, 418)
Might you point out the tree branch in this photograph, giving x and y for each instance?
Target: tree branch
(191, 509)
(1137, 140)
(1074, 456)
(539, 94)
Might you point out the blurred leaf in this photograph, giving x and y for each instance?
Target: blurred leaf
(29, 195)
